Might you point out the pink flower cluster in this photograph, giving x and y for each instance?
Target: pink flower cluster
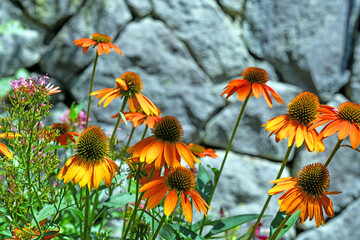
(79, 122)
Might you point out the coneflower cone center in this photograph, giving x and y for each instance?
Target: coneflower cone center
(62, 127)
(349, 111)
(168, 129)
(303, 107)
(133, 83)
(314, 179)
(181, 179)
(254, 74)
(100, 38)
(92, 144)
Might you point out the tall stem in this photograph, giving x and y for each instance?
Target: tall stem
(159, 227)
(91, 88)
(281, 226)
(336, 147)
(133, 215)
(86, 222)
(112, 139)
(130, 137)
(144, 133)
(217, 176)
(286, 157)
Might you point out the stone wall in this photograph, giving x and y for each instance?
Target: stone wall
(186, 51)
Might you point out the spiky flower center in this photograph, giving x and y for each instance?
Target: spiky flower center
(253, 74)
(92, 144)
(168, 129)
(141, 230)
(62, 127)
(349, 111)
(100, 38)
(180, 179)
(304, 107)
(133, 82)
(314, 179)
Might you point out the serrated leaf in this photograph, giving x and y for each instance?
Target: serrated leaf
(225, 224)
(280, 216)
(120, 200)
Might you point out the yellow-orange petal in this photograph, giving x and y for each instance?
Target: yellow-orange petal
(4, 150)
(186, 206)
(156, 199)
(170, 202)
(151, 184)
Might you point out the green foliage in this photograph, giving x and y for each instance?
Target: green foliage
(280, 216)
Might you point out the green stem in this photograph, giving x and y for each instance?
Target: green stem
(112, 139)
(126, 207)
(145, 130)
(91, 88)
(133, 215)
(130, 137)
(281, 226)
(159, 227)
(336, 147)
(86, 222)
(284, 162)
(217, 176)
(96, 202)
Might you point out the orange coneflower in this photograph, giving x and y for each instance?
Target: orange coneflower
(200, 151)
(138, 118)
(253, 81)
(179, 180)
(295, 125)
(306, 192)
(102, 41)
(3, 149)
(91, 163)
(128, 85)
(345, 120)
(165, 146)
(64, 133)
(24, 233)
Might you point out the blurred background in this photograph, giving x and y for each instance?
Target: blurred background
(186, 51)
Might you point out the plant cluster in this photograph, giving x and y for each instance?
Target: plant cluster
(71, 180)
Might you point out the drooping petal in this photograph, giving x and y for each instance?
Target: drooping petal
(170, 202)
(186, 206)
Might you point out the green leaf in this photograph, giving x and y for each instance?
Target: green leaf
(120, 199)
(228, 223)
(47, 211)
(54, 147)
(167, 232)
(185, 232)
(123, 117)
(6, 233)
(22, 72)
(77, 211)
(280, 216)
(204, 183)
(73, 114)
